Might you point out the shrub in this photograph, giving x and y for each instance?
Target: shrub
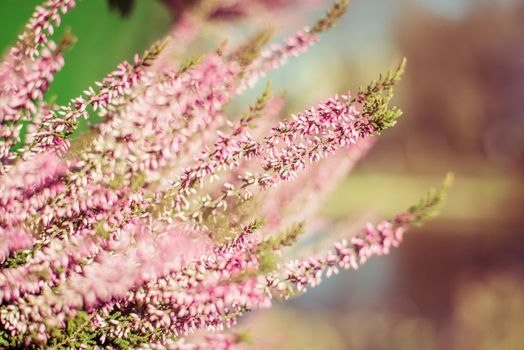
(168, 216)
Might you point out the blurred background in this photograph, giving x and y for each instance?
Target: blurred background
(457, 282)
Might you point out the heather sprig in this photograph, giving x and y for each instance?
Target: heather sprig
(40, 26)
(377, 95)
(375, 240)
(57, 126)
(429, 206)
(331, 17)
(27, 71)
(22, 87)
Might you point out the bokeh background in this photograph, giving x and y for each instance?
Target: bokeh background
(457, 282)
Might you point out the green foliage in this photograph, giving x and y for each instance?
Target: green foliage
(377, 96)
(116, 182)
(220, 230)
(131, 340)
(266, 251)
(19, 258)
(429, 206)
(101, 231)
(4, 339)
(138, 182)
(287, 237)
(9, 342)
(78, 331)
(267, 261)
(255, 110)
(387, 82)
(68, 40)
(255, 225)
(331, 17)
(244, 337)
(80, 143)
(249, 51)
(190, 63)
(41, 274)
(151, 54)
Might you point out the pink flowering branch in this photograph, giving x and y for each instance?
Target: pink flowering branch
(299, 200)
(59, 125)
(374, 241)
(23, 81)
(40, 26)
(298, 43)
(277, 56)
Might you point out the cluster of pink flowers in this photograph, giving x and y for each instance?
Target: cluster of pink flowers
(26, 73)
(374, 241)
(163, 224)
